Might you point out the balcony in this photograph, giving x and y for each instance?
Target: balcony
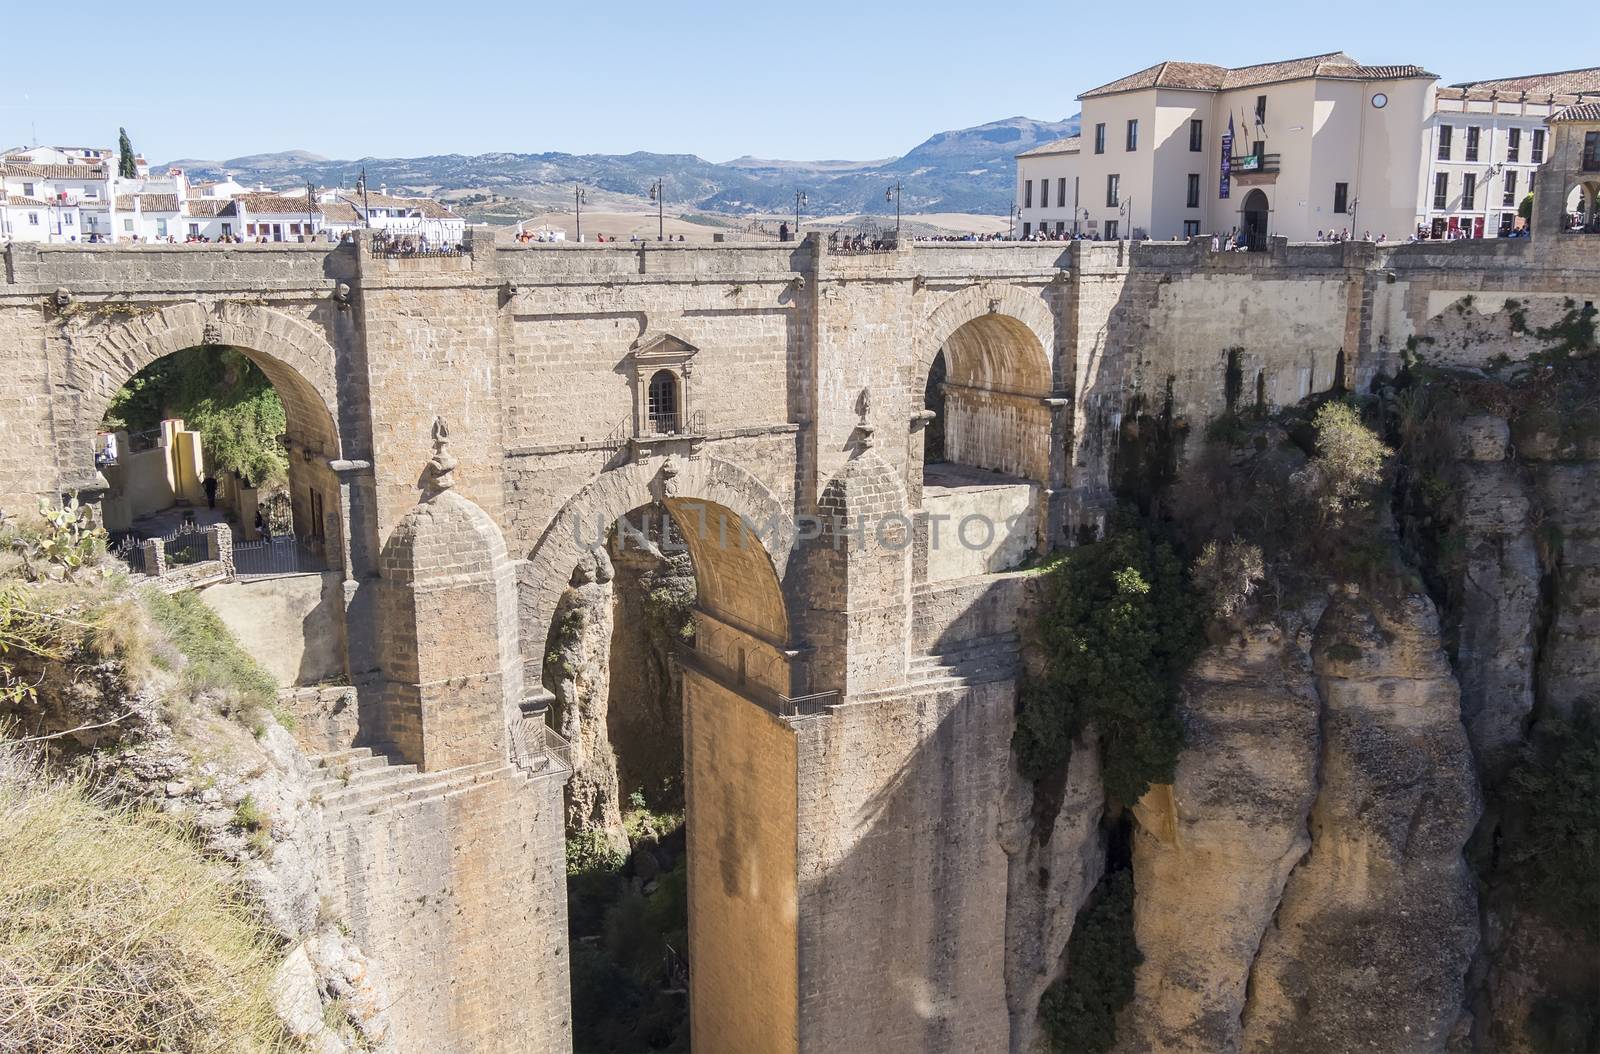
(1267, 164)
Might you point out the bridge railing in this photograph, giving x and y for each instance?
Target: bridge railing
(537, 748)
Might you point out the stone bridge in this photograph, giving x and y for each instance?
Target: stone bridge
(848, 859)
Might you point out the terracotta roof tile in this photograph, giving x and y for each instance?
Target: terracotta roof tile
(1566, 82)
(274, 203)
(27, 203)
(1588, 111)
(203, 206)
(53, 171)
(1069, 145)
(148, 202)
(1197, 76)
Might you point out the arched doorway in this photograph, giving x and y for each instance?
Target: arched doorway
(1582, 211)
(1254, 220)
(985, 446)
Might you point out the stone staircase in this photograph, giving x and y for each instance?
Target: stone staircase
(353, 783)
(980, 660)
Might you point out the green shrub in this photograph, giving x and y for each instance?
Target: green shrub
(1079, 1011)
(1119, 627)
(116, 933)
(215, 659)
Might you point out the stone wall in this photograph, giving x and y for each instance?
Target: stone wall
(291, 624)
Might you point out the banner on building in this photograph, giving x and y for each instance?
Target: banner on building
(1227, 159)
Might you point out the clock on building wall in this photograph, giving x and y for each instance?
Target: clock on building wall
(1380, 100)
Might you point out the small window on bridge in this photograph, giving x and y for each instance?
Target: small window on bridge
(664, 403)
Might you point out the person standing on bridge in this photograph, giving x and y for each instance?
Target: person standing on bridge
(210, 486)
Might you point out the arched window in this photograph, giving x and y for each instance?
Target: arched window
(664, 403)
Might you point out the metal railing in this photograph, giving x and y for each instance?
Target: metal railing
(128, 547)
(806, 705)
(414, 245)
(542, 748)
(282, 555)
(187, 545)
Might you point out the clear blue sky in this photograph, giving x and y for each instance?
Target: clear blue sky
(858, 79)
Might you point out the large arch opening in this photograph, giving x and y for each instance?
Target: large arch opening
(985, 446)
(212, 438)
(1581, 214)
(669, 638)
(1254, 220)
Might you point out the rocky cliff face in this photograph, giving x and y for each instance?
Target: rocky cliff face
(578, 672)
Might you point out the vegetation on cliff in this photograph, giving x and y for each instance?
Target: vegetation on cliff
(1079, 1011)
(117, 933)
(1119, 625)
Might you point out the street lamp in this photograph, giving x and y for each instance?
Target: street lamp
(658, 194)
(799, 203)
(366, 207)
(311, 222)
(893, 194)
(578, 199)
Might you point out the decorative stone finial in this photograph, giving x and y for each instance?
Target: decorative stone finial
(864, 430)
(667, 478)
(442, 464)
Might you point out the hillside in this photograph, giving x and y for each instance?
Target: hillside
(966, 170)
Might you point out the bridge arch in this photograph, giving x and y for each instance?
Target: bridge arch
(998, 320)
(295, 358)
(739, 572)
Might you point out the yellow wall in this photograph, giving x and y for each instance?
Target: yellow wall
(743, 944)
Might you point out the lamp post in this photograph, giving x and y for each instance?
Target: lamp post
(1011, 222)
(366, 207)
(577, 210)
(311, 222)
(658, 194)
(893, 194)
(799, 203)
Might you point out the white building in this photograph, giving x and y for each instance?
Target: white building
(1051, 192)
(1483, 144)
(400, 217)
(1288, 148)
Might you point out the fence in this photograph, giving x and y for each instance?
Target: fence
(394, 244)
(187, 546)
(542, 748)
(282, 555)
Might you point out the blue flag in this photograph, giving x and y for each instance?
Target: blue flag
(1227, 159)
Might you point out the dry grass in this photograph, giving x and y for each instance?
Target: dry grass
(116, 934)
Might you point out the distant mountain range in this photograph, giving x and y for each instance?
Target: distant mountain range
(969, 170)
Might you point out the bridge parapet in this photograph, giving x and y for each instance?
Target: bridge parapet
(178, 268)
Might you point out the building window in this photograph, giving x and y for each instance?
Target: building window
(1191, 228)
(1061, 227)
(1513, 144)
(33, 219)
(1044, 193)
(1111, 230)
(1113, 185)
(1061, 191)
(1133, 135)
(1099, 138)
(1444, 142)
(1027, 228)
(1261, 109)
(27, 190)
(1531, 177)
(227, 230)
(1193, 199)
(1511, 189)
(1591, 151)
(127, 226)
(1196, 136)
(1027, 194)
(1469, 190)
(664, 403)
(66, 219)
(1537, 153)
(194, 230)
(1341, 197)
(1441, 190)
(1472, 142)
(1508, 220)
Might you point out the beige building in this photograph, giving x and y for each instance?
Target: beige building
(1317, 144)
(1483, 145)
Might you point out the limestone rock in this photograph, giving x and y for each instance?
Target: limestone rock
(578, 670)
(1211, 853)
(1372, 939)
(1050, 874)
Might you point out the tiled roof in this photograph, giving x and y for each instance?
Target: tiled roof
(148, 202)
(29, 203)
(203, 206)
(1589, 111)
(1566, 82)
(274, 203)
(339, 212)
(53, 171)
(1070, 145)
(1199, 76)
(427, 206)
